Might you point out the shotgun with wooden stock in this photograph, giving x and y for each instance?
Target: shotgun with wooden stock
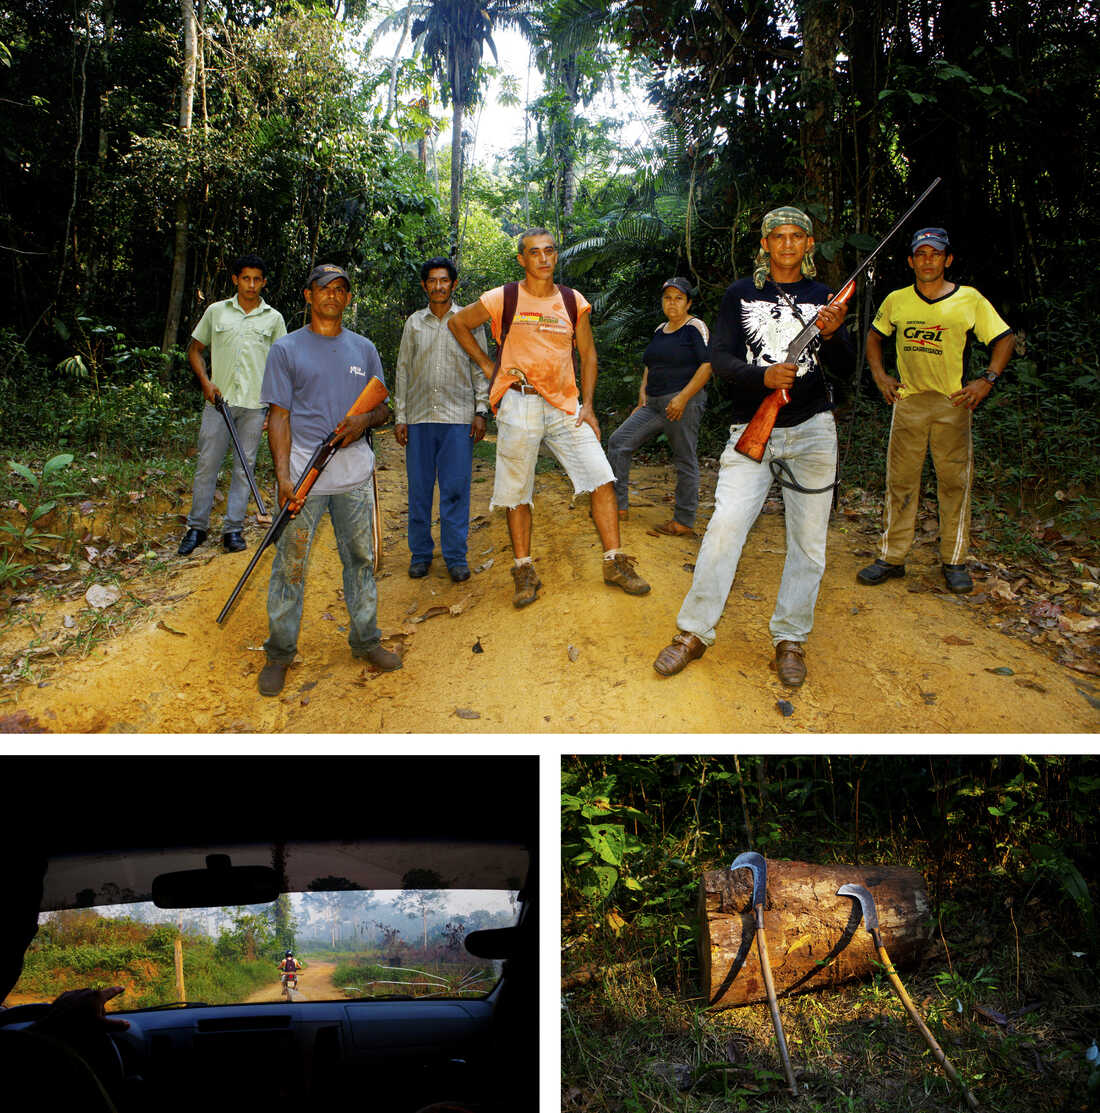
(754, 439)
(373, 393)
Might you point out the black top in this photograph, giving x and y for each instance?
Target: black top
(673, 358)
(752, 332)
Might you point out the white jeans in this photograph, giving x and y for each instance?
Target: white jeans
(524, 421)
(810, 451)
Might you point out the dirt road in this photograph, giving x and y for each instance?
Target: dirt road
(903, 657)
(314, 984)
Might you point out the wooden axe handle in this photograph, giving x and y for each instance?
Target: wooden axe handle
(911, 1009)
(773, 1005)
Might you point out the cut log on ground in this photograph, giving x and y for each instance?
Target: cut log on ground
(812, 934)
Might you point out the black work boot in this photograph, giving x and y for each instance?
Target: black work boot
(879, 572)
(192, 539)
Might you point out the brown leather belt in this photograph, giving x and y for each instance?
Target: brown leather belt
(522, 388)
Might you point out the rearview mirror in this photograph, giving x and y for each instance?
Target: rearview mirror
(221, 883)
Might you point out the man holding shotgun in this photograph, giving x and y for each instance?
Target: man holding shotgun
(239, 332)
(313, 377)
(758, 318)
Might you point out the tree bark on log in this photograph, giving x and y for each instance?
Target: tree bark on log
(815, 938)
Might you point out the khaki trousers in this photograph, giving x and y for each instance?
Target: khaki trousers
(921, 421)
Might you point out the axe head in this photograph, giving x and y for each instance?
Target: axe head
(750, 860)
(866, 903)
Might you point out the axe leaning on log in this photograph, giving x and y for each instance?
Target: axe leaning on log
(870, 919)
(750, 860)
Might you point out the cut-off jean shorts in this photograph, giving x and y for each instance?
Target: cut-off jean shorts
(524, 421)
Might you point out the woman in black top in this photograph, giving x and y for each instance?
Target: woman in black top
(670, 401)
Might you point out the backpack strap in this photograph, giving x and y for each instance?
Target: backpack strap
(569, 300)
(511, 300)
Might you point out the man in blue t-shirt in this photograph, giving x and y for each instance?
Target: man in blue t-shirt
(314, 375)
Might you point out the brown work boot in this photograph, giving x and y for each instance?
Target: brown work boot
(272, 678)
(619, 570)
(674, 658)
(527, 584)
(790, 664)
(380, 658)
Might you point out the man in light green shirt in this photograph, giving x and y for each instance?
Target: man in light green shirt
(238, 331)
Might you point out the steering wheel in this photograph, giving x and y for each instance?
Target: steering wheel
(94, 1045)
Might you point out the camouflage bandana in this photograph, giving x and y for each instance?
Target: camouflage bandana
(785, 214)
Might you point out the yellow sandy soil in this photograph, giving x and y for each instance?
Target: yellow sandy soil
(902, 657)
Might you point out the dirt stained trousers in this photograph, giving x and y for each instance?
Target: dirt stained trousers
(352, 523)
(810, 449)
(919, 422)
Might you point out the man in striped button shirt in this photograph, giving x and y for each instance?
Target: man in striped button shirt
(441, 400)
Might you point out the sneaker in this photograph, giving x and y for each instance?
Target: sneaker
(272, 678)
(879, 572)
(380, 658)
(619, 570)
(527, 584)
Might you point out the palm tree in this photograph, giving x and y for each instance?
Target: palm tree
(453, 35)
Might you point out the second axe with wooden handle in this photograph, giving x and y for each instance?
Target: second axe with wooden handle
(870, 919)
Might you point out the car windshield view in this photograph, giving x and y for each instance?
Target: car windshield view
(343, 944)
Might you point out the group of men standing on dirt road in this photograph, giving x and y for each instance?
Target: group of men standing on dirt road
(446, 383)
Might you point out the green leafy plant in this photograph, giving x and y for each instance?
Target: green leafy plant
(595, 843)
(43, 500)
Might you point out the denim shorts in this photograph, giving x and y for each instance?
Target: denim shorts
(524, 421)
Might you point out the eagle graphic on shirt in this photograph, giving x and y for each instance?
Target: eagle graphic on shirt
(770, 326)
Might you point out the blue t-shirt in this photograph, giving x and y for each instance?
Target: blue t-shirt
(317, 378)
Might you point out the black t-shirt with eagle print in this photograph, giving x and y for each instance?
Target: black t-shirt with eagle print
(752, 332)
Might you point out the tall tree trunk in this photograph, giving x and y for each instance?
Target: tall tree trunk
(821, 21)
(456, 172)
(187, 100)
(395, 63)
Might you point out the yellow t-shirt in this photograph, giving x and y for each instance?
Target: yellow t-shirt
(932, 338)
(539, 348)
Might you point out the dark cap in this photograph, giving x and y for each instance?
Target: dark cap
(324, 273)
(933, 237)
(681, 284)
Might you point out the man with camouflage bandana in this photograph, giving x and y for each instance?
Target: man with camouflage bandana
(758, 318)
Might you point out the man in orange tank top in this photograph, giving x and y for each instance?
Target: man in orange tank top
(535, 398)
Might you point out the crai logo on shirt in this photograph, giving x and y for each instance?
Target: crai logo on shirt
(357, 370)
(924, 338)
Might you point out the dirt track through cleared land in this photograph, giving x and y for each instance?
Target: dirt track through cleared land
(903, 657)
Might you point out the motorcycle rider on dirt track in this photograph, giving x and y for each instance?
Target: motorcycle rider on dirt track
(289, 968)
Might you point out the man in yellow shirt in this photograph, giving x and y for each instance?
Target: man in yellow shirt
(535, 398)
(932, 322)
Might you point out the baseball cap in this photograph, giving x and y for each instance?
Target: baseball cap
(681, 284)
(324, 273)
(933, 237)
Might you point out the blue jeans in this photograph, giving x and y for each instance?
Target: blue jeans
(214, 443)
(743, 484)
(647, 422)
(351, 523)
(442, 452)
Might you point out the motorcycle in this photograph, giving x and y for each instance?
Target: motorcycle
(289, 981)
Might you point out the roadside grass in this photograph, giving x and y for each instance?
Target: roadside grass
(376, 976)
(114, 519)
